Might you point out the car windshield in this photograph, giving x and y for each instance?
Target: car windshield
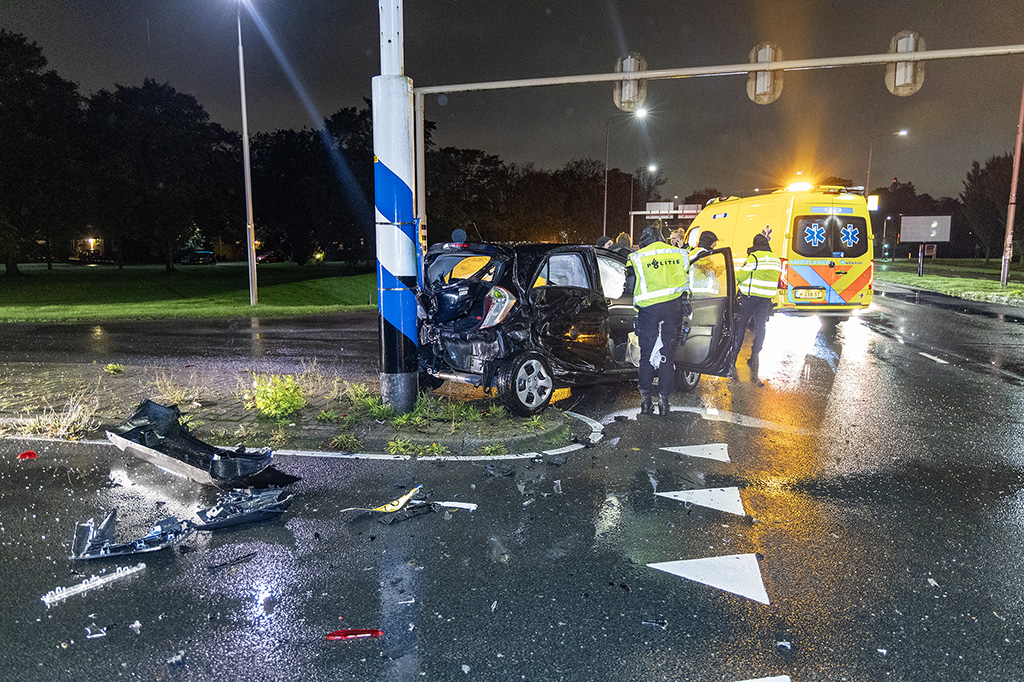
(453, 267)
(830, 236)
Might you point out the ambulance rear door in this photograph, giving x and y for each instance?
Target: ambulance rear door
(829, 256)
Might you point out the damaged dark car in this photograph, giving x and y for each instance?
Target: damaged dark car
(526, 319)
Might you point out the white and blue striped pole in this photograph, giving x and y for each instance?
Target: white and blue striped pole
(393, 154)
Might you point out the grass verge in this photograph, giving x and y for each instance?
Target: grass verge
(74, 293)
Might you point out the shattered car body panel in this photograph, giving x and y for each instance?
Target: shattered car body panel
(155, 433)
(97, 542)
(517, 318)
(239, 507)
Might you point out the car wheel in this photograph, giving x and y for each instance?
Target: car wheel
(686, 380)
(525, 383)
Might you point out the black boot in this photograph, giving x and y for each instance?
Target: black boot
(663, 406)
(646, 403)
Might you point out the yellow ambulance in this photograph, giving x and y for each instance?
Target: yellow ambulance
(822, 234)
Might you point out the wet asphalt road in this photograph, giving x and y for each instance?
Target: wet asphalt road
(879, 467)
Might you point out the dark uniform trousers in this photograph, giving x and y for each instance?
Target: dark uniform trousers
(670, 315)
(759, 309)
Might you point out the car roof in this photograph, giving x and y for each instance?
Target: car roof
(525, 256)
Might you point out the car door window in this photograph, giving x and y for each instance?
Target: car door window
(613, 277)
(708, 278)
(563, 270)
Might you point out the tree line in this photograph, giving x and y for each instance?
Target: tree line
(148, 171)
(145, 169)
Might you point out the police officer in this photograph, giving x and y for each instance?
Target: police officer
(758, 282)
(660, 294)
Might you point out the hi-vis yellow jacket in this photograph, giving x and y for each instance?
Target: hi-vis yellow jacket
(661, 274)
(759, 275)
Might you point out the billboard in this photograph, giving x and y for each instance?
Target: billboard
(924, 228)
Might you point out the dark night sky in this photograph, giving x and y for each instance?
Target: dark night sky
(702, 132)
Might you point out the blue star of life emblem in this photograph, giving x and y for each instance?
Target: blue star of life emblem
(849, 236)
(814, 235)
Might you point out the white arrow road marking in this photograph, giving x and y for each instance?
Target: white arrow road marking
(714, 414)
(716, 451)
(932, 357)
(736, 573)
(722, 499)
(777, 678)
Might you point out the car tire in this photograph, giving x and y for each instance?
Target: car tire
(525, 383)
(686, 380)
(429, 382)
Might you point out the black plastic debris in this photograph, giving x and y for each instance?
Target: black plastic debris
(155, 434)
(232, 562)
(239, 507)
(555, 460)
(500, 469)
(97, 542)
(410, 510)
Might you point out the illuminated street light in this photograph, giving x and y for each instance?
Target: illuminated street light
(871, 144)
(632, 176)
(639, 113)
(249, 228)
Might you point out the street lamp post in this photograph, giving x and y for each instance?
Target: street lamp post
(639, 113)
(885, 226)
(871, 144)
(250, 231)
(650, 169)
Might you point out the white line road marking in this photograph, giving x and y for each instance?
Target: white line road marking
(777, 678)
(715, 451)
(932, 357)
(736, 573)
(722, 499)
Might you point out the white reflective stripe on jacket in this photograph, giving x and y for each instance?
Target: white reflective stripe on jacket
(760, 274)
(643, 293)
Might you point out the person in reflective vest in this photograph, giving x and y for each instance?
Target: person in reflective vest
(658, 274)
(758, 283)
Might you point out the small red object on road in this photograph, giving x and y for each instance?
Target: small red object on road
(354, 634)
(28, 454)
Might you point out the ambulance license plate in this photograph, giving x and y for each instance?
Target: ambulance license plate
(808, 294)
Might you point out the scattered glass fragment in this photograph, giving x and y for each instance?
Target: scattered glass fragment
(135, 627)
(177, 659)
(94, 631)
(354, 634)
(931, 581)
(663, 624)
(558, 487)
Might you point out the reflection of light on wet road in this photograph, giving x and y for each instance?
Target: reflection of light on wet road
(788, 342)
(608, 520)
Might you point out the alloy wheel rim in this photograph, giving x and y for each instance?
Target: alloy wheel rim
(533, 384)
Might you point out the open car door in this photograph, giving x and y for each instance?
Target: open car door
(706, 347)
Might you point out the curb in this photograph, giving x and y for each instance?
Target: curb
(595, 435)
